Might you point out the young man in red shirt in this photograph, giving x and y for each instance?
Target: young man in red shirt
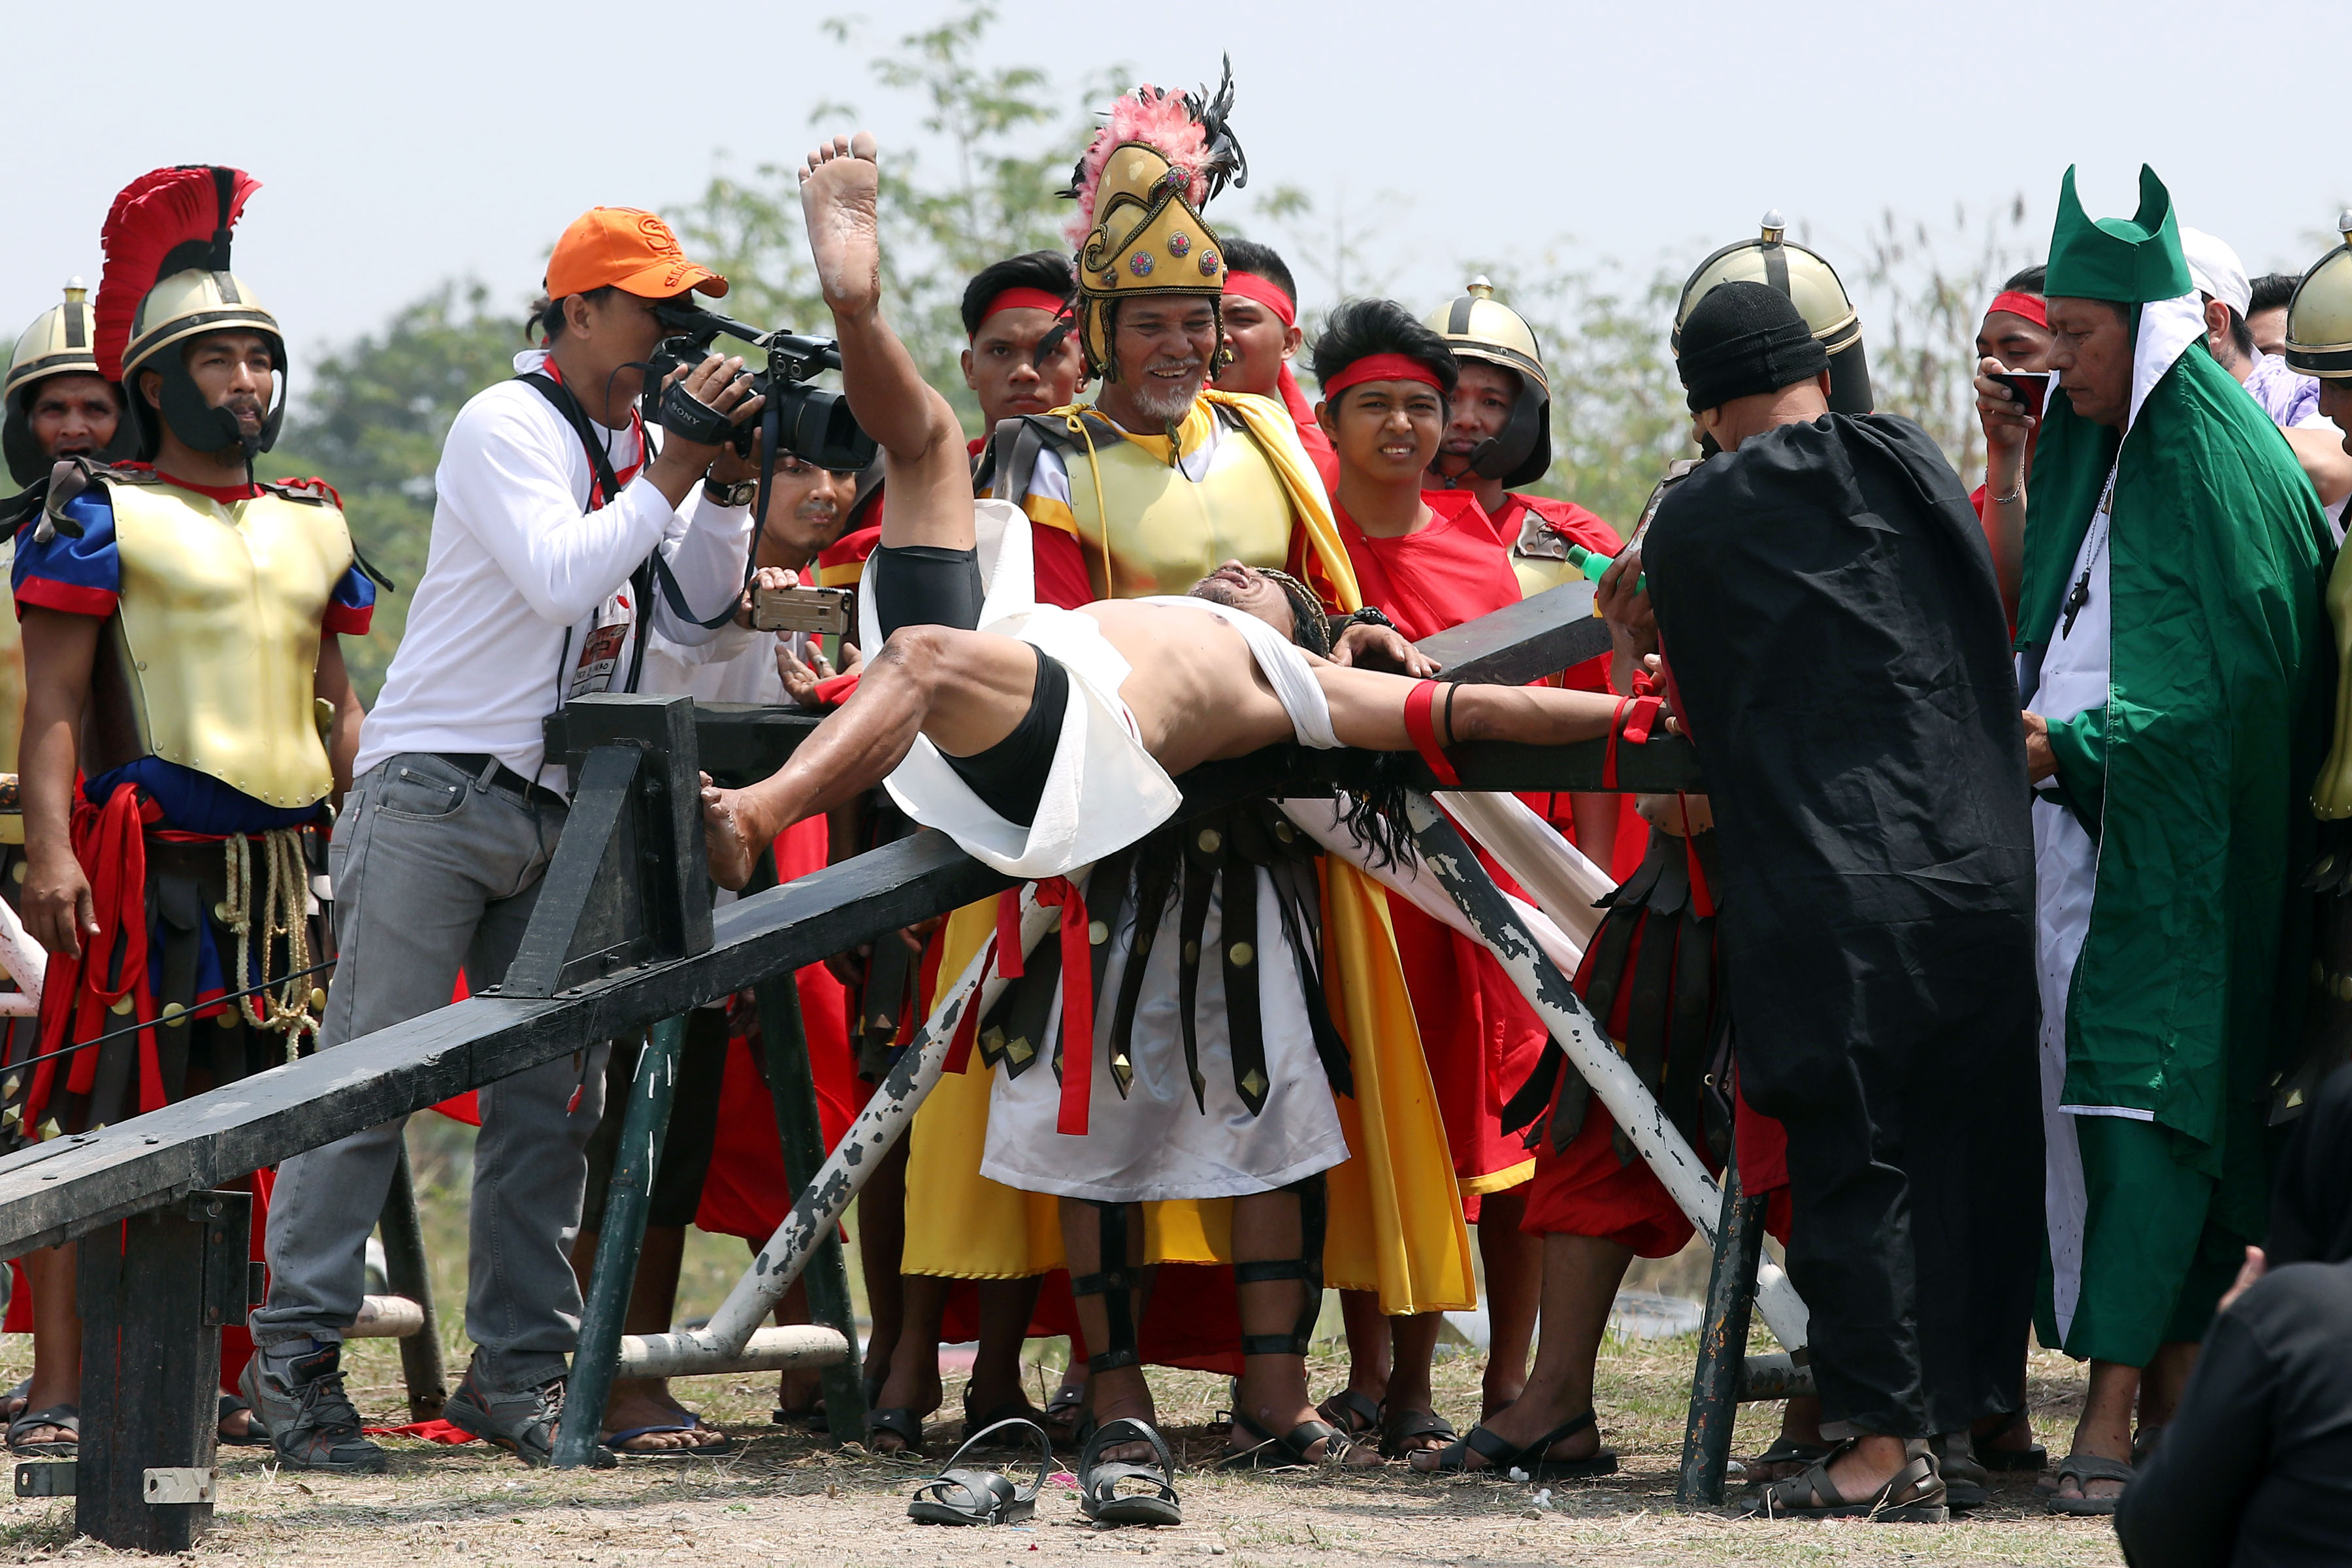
(1260, 312)
(1430, 560)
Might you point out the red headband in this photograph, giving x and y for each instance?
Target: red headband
(1022, 299)
(1380, 367)
(2016, 302)
(1250, 286)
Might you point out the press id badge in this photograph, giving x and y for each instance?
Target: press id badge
(600, 652)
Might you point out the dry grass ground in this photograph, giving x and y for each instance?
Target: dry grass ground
(782, 1499)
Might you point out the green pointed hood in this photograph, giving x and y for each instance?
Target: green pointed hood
(2130, 260)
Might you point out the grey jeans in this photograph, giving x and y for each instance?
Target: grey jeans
(433, 870)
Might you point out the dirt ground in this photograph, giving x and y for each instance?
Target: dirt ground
(784, 1499)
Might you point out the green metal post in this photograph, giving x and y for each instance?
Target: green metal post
(619, 1240)
(1722, 1346)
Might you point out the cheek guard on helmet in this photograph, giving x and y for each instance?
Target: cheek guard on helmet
(1478, 326)
(61, 341)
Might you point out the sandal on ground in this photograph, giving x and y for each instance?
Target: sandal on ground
(619, 1441)
(1913, 1495)
(1786, 1457)
(1401, 1432)
(1014, 1413)
(961, 1496)
(1967, 1484)
(12, 1402)
(65, 1417)
(1099, 1479)
(1503, 1455)
(900, 1423)
(2033, 1457)
(1062, 1410)
(1267, 1451)
(809, 1418)
(254, 1435)
(1355, 1415)
(2084, 1468)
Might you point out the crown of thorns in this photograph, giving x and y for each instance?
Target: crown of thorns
(1311, 619)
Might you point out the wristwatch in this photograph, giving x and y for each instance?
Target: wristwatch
(741, 493)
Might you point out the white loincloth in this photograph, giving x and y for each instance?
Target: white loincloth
(1156, 1144)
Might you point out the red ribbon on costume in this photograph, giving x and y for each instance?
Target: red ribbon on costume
(77, 1001)
(1380, 367)
(1077, 1001)
(2018, 302)
(1024, 300)
(1702, 896)
(1418, 725)
(967, 1029)
(1634, 718)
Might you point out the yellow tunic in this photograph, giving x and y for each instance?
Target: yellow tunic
(1149, 524)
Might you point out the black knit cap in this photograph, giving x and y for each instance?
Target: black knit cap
(1741, 339)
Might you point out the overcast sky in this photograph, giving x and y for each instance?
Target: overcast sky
(398, 145)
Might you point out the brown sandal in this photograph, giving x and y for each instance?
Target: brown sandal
(1914, 1495)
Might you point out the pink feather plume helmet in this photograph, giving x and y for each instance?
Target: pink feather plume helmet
(1140, 187)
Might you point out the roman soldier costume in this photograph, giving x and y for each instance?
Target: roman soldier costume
(1811, 284)
(199, 814)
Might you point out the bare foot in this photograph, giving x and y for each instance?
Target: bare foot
(731, 833)
(645, 1402)
(1283, 1414)
(1118, 1396)
(838, 190)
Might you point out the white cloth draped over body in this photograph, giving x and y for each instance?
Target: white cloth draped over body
(1105, 792)
(2075, 678)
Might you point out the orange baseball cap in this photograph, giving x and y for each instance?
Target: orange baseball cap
(625, 248)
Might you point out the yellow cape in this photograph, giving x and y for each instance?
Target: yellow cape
(1395, 1213)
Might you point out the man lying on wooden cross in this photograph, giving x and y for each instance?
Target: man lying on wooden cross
(1044, 745)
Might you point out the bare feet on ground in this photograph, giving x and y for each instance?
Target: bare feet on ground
(730, 839)
(838, 190)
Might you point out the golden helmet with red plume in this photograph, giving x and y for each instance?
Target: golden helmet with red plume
(168, 282)
(1140, 187)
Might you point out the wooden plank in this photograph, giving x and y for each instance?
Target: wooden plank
(150, 1379)
(1526, 641)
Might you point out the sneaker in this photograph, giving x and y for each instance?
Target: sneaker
(522, 1421)
(310, 1420)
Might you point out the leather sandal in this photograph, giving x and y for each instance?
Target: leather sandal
(64, 1417)
(961, 1496)
(1288, 1451)
(900, 1423)
(1503, 1455)
(1913, 1495)
(2084, 1468)
(1100, 1498)
(1401, 1432)
(1786, 1457)
(2033, 1457)
(1355, 1415)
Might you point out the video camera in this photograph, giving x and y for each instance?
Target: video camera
(809, 422)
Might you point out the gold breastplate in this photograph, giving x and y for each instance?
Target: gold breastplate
(214, 640)
(1165, 531)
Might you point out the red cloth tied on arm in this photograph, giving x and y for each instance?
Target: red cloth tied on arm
(2018, 302)
(1077, 1002)
(1423, 731)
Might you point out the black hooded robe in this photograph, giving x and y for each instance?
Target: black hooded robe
(1837, 649)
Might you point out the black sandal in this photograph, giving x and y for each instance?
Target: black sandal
(1288, 1451)
(1019, 1412)
(1062, 1410)
(1099, 1479)
(2033, 1457)
(1913, 1495)
(1787, 1457)
(1355, 1415)
(2083, 1469)
(1503, 1456)
(64, 1417)
(900, 1423)
(256, 1436)
(1401, 1431)
(958, 1496)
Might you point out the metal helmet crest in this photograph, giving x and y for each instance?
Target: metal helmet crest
(1477, 325)
(2319, 316)
(62, 341)
(1810, 283)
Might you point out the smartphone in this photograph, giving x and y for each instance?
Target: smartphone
(824, 611)
(2029, 387)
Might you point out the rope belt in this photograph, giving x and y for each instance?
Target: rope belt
(284, 904)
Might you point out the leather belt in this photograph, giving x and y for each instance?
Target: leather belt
(491, 774)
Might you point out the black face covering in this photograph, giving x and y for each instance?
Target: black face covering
(1743, 339)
